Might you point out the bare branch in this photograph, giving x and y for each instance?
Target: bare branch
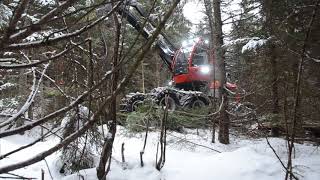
(30, 99)
(50, 41)
(38, 62)
(16, 16)
(36, 26)
(26, 146)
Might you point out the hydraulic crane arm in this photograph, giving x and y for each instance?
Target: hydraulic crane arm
(165, 47)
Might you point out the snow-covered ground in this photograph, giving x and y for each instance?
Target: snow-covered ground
(242, 159)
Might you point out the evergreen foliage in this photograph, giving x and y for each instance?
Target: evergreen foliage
(150, 116)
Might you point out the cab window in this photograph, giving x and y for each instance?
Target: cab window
(200, 57)
(181, 64)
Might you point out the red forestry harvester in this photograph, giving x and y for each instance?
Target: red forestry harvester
(193, 72)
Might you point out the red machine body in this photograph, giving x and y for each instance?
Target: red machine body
(192, 71)
(194, 67)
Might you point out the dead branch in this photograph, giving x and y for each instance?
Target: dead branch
(185, 140)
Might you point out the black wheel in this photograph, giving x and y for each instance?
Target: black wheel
(134, 102)
(197, 104)
(167, 102)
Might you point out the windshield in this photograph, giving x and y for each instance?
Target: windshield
(200, 59)
(181, 62)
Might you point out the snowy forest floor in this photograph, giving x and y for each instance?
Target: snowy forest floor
(243, 159)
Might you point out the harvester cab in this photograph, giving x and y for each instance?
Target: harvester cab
(193, 65)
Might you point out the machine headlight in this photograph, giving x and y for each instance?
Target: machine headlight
(205, 69)
(184, 43)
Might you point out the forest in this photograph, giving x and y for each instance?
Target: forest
(160, 89)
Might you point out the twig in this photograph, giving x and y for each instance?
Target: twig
(30, 99)
(16, 176)
(62, 37)
(122, 153)
(195, 143)
(24, 147)
(276, 154)
(282, 164)
(48, 169)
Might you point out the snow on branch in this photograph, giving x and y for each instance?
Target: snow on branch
(5, 14)
(30, 99)
(65, 109)
(253, 44)
(6, 86)
(43, 35)
(38, 62)
(228, 43)
(31, 29)
(51, 40)
(46, 2)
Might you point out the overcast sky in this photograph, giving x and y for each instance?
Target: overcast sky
(194, 11)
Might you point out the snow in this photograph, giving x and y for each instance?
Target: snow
(42, 35)
(46, 2)
(243, 159)
(8, 105)
(108, 135)
(31, 17)
(5, 14)
(71, 9)
(10, 143)
(83, 115)
(7, 53)
(253, 44)
(29, 101)
(6, 85)
(228, 42)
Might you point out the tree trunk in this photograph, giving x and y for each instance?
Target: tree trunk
(297, 93)
(220, 59)
(142, 77)
(23, 84)
(275, 95)
(209, 14)
(268, 4)
(108, 142)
